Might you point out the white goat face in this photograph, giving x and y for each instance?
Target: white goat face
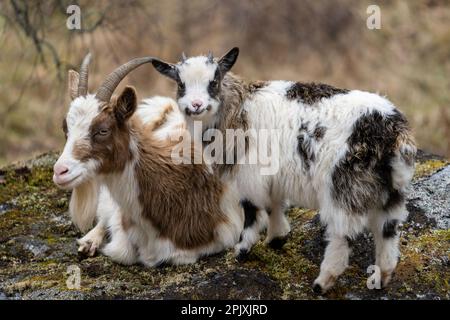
(199, 82)
(198, 87)
(96, 128)
(73, 167)
(98, 138)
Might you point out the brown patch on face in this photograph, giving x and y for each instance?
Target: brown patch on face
(82, 150)
(107, 142)
(181, 201)
(110, 142)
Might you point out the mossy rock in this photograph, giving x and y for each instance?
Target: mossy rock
(37, 246)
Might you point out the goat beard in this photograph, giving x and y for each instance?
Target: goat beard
(84, 203)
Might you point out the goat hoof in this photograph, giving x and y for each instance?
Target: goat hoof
(242, 256)
(83, 254)
(385, 279)
(161, 265)
(317, 288)
(87, 248)
(278, 242)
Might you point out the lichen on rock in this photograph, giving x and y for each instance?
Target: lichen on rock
(37, 245)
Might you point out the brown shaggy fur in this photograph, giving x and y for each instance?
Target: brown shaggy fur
(181, 201)
(256, 86)
(234, 92)
(231, 115)
(311, 93)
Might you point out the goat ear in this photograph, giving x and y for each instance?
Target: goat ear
(126, 104)
(73, 80)
(228, 60)
(167, 69)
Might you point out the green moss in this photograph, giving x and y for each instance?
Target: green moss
(51, 240)
(37, 212)
(428, 167)
(30, 186)
(38, 275)
(421, 266)
(30, 195)
(289, 267)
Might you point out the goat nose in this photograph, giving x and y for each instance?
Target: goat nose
(197, 103)
(60, 169)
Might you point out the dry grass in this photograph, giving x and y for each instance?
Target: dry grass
(407, 60)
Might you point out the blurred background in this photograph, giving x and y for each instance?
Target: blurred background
(408, 59)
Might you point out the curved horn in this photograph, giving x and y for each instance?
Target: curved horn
(83, 82)
(106, 90)
(210, 57)
(183, 57)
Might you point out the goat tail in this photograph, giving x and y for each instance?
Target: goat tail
(403, 162)
(84, 203)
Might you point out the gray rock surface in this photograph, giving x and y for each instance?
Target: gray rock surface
(431, 195)
(37, 248)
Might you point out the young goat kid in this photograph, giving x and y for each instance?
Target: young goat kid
(348, 153)
(157, 211)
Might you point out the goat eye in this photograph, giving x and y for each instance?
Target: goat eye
(103, 132)
(181, 86)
